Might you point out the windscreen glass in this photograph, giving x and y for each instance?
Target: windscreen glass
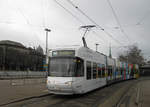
(62, 67)
(66, 67)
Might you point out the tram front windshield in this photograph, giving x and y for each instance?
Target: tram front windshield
(65, 67)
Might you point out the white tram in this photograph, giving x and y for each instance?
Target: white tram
(80, 70)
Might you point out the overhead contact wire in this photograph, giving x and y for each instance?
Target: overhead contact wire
(117, 20)
(69, 12)
(83, 13)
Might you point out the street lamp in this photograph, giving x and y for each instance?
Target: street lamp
(47, 30)
(46, 51)
(96, 47)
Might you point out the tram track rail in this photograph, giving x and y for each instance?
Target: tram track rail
(91, 99)
(126, 96)
(25, 99)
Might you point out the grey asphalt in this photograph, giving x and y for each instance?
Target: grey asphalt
(137, 95)
(102, 96)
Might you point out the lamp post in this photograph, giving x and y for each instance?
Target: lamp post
(96, 47)
(46, 51)
(47, 30)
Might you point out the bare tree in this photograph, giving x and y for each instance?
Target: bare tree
(132, 55)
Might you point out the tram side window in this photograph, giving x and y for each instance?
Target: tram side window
(79, 68)
(128, 71)
(94, 70)
(132, 72)
(118, 71)
(136, 71)
(103, 70)
(88, 70)
(99, 70)
(110, 71)
(121, 71)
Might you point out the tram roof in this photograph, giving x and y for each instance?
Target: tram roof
(67, 48)
(81, 48)
(76, 48)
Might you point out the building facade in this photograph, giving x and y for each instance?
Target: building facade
(16, 57)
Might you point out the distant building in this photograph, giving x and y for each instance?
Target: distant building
(145, 70)
(15, 56)
(40, 50)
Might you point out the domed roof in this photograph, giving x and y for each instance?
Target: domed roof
(8, 42)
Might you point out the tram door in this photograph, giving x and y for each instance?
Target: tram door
(88, 70)
(89, 74)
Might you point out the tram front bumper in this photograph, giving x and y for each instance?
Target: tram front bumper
(60, 89)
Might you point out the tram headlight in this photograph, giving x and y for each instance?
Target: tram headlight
(69, 82)
(48, 82)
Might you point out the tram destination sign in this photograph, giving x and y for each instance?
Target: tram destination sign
(63, 53)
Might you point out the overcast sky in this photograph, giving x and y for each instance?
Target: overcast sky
(24, 21)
